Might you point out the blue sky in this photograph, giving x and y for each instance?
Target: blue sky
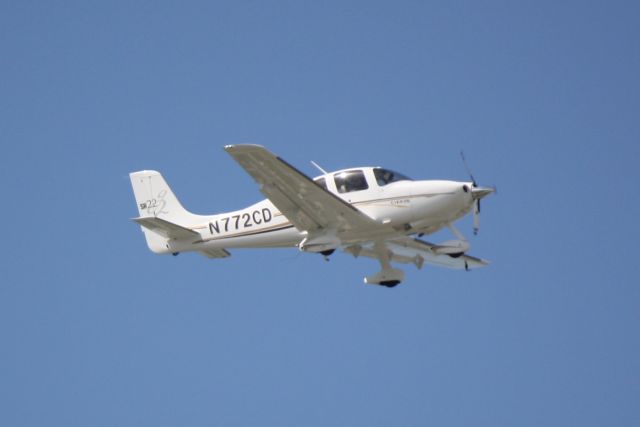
(542, 96)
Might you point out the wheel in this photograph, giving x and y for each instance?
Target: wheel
(390, 283)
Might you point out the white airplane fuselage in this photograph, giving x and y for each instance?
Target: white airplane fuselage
(408, 207)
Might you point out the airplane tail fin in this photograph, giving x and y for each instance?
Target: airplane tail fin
(155, 198)
(156, 202)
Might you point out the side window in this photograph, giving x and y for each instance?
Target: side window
(350, 181)
(321, 182)
(385, 176)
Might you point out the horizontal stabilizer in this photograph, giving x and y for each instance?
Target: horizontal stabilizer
(165, 228)
(215, 253)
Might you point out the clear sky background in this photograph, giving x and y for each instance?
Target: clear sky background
(97, 331)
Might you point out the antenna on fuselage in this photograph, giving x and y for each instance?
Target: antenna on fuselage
(318, 167)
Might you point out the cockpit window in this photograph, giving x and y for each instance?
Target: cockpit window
(348, 181)
(386, 176)
(321, 182)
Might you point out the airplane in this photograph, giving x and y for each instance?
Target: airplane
(365, 211)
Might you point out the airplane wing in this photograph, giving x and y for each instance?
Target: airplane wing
(308, 206)
(409, 250)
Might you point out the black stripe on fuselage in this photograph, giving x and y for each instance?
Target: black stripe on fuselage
(245, 234)
(412, 196)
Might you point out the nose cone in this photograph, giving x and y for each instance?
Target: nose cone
(479, 192)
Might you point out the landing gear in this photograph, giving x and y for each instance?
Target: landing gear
(390, 283)
(327, 253)
(453, 248)
(388, 276)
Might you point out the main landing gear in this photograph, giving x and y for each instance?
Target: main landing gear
(388, 276)
(328, 253)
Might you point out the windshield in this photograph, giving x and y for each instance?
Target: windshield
(386, 176)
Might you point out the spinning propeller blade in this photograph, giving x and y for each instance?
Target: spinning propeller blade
(476, 216)
(466, 166)
(477, 193)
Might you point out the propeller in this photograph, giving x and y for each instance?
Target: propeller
(477, 193)
(476, 217)
(466, 166)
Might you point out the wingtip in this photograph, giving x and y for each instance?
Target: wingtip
(483, 262)
(238, 147)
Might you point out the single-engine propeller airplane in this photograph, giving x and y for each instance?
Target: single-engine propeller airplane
(367, 211)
